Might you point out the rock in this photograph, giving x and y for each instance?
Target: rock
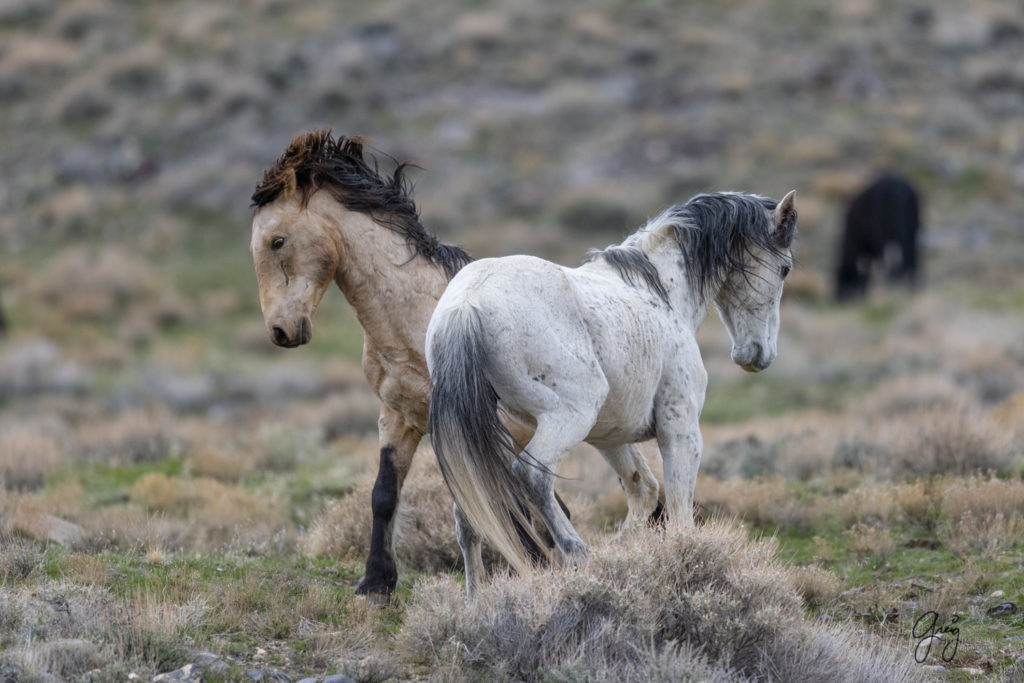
(1003, 610)
(997, 594)
(189, 673)
(308, 680)
(210, 662)
(48, 527)
(267, 676)
(338, 678)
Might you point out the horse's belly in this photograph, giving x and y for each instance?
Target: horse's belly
(625, 417)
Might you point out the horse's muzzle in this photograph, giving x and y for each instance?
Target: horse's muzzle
(752, 357)
(297, 338)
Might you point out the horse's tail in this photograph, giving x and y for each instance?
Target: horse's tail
(474, 449)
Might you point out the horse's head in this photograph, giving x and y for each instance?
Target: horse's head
(748, 301)
(296, 256)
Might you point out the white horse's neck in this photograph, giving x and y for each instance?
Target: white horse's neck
(672, 268)
(392, 291)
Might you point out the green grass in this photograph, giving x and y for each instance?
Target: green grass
(104, 484)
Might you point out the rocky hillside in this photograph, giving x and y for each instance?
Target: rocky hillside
(139, 123)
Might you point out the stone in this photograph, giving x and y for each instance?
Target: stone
(338, 678)
(187, 674)
(1002, 610)
(48, 527)
(267, 676)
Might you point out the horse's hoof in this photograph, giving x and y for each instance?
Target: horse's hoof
(377, 593)
(657, 518)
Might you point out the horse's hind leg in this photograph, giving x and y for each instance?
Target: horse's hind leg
(639, 482)
(556, 433)
(469, 543)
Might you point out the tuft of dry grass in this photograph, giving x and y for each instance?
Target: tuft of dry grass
(981, 514)
(818, 587)
(225, 464)
(156, 491)
(26, 457)
(767, 503)
(870, 541)
(130, 437)
(711, 588)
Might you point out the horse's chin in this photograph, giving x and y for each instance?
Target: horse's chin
(750, 367)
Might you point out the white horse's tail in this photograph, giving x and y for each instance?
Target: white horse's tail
(475, 450)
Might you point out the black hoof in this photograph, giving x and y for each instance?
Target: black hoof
(377, 591)
(657, 518)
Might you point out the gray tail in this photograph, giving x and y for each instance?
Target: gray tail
(474, 449)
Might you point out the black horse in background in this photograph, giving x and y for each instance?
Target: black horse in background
(882, 224)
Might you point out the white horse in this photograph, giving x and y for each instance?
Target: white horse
(605, 353)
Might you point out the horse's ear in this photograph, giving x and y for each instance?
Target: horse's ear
(784, 220)
(288, 182)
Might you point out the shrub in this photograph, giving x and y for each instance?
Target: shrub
(634, 608)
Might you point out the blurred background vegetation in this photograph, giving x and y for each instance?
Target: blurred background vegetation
(142, 403)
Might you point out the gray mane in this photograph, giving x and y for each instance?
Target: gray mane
(717, 234)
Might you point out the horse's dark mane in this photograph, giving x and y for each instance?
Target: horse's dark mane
(633, 266)
(319, 161)
(717, 233)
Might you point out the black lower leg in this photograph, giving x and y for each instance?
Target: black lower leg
(657, 518)
(381, 571)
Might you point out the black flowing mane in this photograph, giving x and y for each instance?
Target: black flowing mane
(319, 161)
(717, 234)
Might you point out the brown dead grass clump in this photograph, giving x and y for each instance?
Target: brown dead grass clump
(709, 601)
(948, 441)
(26, 457)
(982, 514)
(766, 503)
(130, 437)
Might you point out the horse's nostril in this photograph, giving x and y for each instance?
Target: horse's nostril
(280, 338)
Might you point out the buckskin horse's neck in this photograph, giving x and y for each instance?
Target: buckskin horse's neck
(392, 290)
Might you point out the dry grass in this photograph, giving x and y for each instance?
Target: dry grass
(632, 603)
(27, 456)
(870, 541)
(129, 437)
(818, 587)
(767, 503)
(982, 514)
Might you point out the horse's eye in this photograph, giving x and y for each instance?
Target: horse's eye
(276, 243)
(784, 271)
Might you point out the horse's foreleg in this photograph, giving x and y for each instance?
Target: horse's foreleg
(398, 443)
(638, 481)
(676, 416)
(681, 447)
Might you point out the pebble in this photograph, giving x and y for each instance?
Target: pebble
(997, 594)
